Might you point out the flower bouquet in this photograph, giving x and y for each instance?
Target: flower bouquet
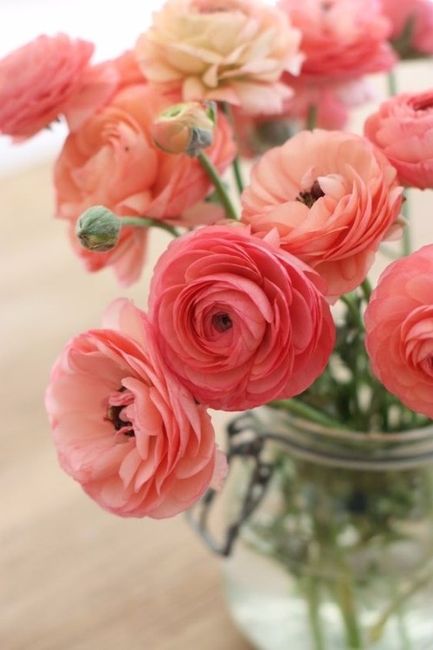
(262, 299)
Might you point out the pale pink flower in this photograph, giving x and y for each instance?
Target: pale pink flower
(399, 326)
(332, 197)
(112, 161)
(416, 15)
(123, 427)
(38, 80)
(403, 129)
(239, 321)
(227, 50)
(341, 39)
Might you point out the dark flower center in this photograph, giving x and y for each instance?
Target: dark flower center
(222, 322)
(423, 103)
(310, 197)
(113, 414)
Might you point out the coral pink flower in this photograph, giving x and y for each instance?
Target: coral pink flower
(123, 427)
(399, 325)
(38, 80)
(112, 161)
(403, 129)
(341, 39)
(417, 15)
(227, 50)
(333, 198)
(239, 321)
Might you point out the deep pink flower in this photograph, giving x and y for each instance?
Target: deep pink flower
(341, 39)
(123, 427)
(239, 321)
(399, 325)
(333, 198)
(38, 80)
(403, 129)
(112, 161)
(418, 15)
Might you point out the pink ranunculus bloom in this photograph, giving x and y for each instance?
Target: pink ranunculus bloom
(123, 427)
(238, 320)
(112, 161)
(99, 84)
(332, 197)
(38, 80)
(399, 326)
(341, 39)
(226, 50)
(403, 129)
(417, 15)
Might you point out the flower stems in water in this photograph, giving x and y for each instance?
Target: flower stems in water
(222, 193)
(312, 593)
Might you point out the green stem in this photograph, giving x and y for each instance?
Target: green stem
(313, 602)
(420, 581)
(348, 611)
(147, 222)
(349, 301)
(223, 195)
(392, 83)
(311, 117)
(366, 289)
(306, 411)
(237, 171)
(406, 241)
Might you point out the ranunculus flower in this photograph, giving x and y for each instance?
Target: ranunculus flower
(399, 326)
(413, 15)
(239, 321)
(403, 129)
(123, 426)
(333, 198)
(38, 80)
(341, 39)
(227, 50)
(112, 161)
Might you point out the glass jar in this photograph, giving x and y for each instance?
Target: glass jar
(338, 552)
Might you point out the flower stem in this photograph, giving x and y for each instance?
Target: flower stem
(223, 195)
(313, 603)
(352, 307)
(237, 171)
(392, 83)
(311, 117)
(366, 289)
(147, 222)
(306, 411)
(406, 241)
(348, 612)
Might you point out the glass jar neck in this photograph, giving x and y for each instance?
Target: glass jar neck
(340, 448)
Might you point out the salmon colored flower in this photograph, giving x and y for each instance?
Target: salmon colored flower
(412, 26)
(112, 161)
(341, 39)
(403, 129)
(332, 197)
(123, 427)
(38, 80)
(239, 321)
(399, 326)
(227, 50)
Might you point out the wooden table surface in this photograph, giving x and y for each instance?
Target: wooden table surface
(71, 576)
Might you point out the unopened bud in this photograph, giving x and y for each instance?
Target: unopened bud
(98, 229)
(185, 128)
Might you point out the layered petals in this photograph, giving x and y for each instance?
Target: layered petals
(123, 427)
(239, 321)
(399, 326)
(332, 197)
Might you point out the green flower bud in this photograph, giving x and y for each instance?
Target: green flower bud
(98, 229)
(185, 128)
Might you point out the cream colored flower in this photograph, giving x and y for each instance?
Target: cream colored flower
(227, 50)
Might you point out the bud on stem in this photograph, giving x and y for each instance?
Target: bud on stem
(185, 128)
